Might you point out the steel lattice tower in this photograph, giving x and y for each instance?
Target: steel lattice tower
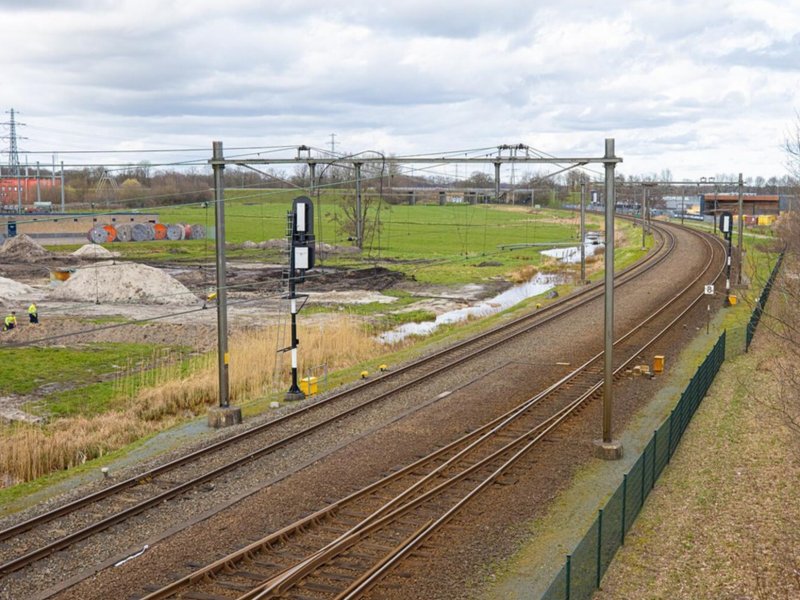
(13, 151)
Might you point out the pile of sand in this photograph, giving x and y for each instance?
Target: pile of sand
(22, 248)
(94, 252)
(124, 283)
(12, 290)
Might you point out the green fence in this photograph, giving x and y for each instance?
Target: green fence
(761, 303)
(584, 568)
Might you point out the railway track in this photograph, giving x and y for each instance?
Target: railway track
(346, 548)
(34, 539)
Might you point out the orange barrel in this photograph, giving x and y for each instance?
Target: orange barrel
(658, 363)
(60, 274)
(160, 230)
(112, 232)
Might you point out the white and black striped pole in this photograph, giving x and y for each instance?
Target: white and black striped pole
(294, 393)
(301, 258)
(726, 227)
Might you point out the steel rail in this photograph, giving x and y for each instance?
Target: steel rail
(230, 561)
(371, 578)
(279, 585)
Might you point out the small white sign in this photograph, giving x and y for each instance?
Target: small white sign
(709, 290)
(301, 258)
(301, 217)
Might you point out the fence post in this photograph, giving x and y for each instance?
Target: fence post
(624, 498)
(723, 346)
(669, 441)
(641, 490)
(569, 575)
(655, 454)
(599, 544)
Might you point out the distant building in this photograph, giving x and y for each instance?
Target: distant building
(675, 203)
(9, 196)
(752, 204)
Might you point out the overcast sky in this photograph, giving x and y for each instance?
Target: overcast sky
(700, 88)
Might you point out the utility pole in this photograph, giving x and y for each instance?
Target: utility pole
(359, 220)
(683, 199)
(223, 415)
(497, 183)
(62, 186)
(607, 447)
(333, 143)
(583, 232)
(644, 216)
(741, 227)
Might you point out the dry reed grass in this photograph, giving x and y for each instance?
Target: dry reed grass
(158, 396)
(523, 274)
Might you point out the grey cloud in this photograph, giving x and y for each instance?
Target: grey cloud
(453, 19)
(780, 55)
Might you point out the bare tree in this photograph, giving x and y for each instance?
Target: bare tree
(792, 148)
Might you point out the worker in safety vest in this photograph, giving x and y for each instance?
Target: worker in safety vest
(33, 313)
(10, 322)
(210, 297)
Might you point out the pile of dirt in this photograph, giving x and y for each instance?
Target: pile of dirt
(94, 252)
(124, 283)
(22, 248)
(11, 290)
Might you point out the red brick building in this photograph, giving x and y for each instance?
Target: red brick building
(9, 196)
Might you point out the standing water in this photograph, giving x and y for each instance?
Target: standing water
(538, 285)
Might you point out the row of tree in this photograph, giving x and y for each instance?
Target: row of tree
(142, 186)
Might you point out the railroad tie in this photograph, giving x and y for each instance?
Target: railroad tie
(203, 596)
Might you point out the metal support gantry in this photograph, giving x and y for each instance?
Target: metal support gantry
(609, 160)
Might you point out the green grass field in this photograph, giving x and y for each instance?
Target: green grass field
(451, 244)
(71, 381)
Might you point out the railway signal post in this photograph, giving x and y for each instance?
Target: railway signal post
(726, 227)
(301, 258)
